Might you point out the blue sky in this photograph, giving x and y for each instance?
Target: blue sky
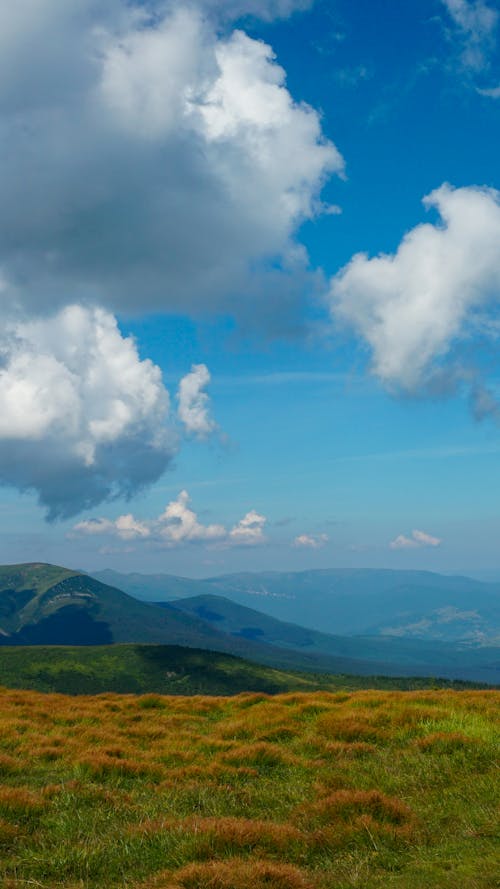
(340, 411)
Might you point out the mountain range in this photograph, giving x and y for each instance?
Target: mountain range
(49, 605)
(398, 604)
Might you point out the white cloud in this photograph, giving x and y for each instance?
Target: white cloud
(125, 527)
(177, 525)
(82, 418)
(411, 307)
(194, 403)
(424, 539)
(417, 540)
(249, 531)
(476, 23)
(311, 541)
(172, 165)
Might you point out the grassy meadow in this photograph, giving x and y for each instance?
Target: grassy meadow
(174, 670)
(304, 790)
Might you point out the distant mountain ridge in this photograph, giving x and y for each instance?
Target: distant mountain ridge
(49, 605)
(401, 604)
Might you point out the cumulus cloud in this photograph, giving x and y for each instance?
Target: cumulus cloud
(476, 23)
(82, 418)
(311, 541)
(249, 531)
(194, 403)
(125, 527)
(149, 163)
(413, 306)
(177, 525)
(417, 540)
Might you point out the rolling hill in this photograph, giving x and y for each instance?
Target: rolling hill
(420, 657)
(400, 604)
(49, 605)
(173, 670)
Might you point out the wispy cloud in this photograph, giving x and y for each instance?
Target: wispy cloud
(476, 24)
(417, 540)
(310, 541)
(492, 93)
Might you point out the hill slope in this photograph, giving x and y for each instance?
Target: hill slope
(170, 669)
(52, 606)
(406, 604)
(420, 657)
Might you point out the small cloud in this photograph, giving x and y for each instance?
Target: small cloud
(177, 525)
(476, 23)
(311, 541)
(353, 75)
(492, 93)
(249, 531)
(125, 527)
(194, 403)
(417, 540)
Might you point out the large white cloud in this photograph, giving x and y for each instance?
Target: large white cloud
(177, 525)
(151, 160)
(147, 161)
(412, 306)
(82, 418)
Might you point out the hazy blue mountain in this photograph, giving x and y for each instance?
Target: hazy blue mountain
(159, 587)
(46, 604)
(406, 604)
(422, 657)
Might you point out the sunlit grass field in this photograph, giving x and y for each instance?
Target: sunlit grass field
(366, 789)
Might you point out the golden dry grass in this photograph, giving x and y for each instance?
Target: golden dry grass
(297, 791)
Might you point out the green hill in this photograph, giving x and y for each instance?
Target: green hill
(49, 605)
(171, 669)
(417, 656)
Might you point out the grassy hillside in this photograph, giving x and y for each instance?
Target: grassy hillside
(380, 655)
(375, 790)
(48, 605)
(168, 669)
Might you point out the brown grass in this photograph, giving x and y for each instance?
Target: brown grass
(217, 836)
(234, 873)
(445, 742)
(20, 800)
(346, 805)
(262, 753)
